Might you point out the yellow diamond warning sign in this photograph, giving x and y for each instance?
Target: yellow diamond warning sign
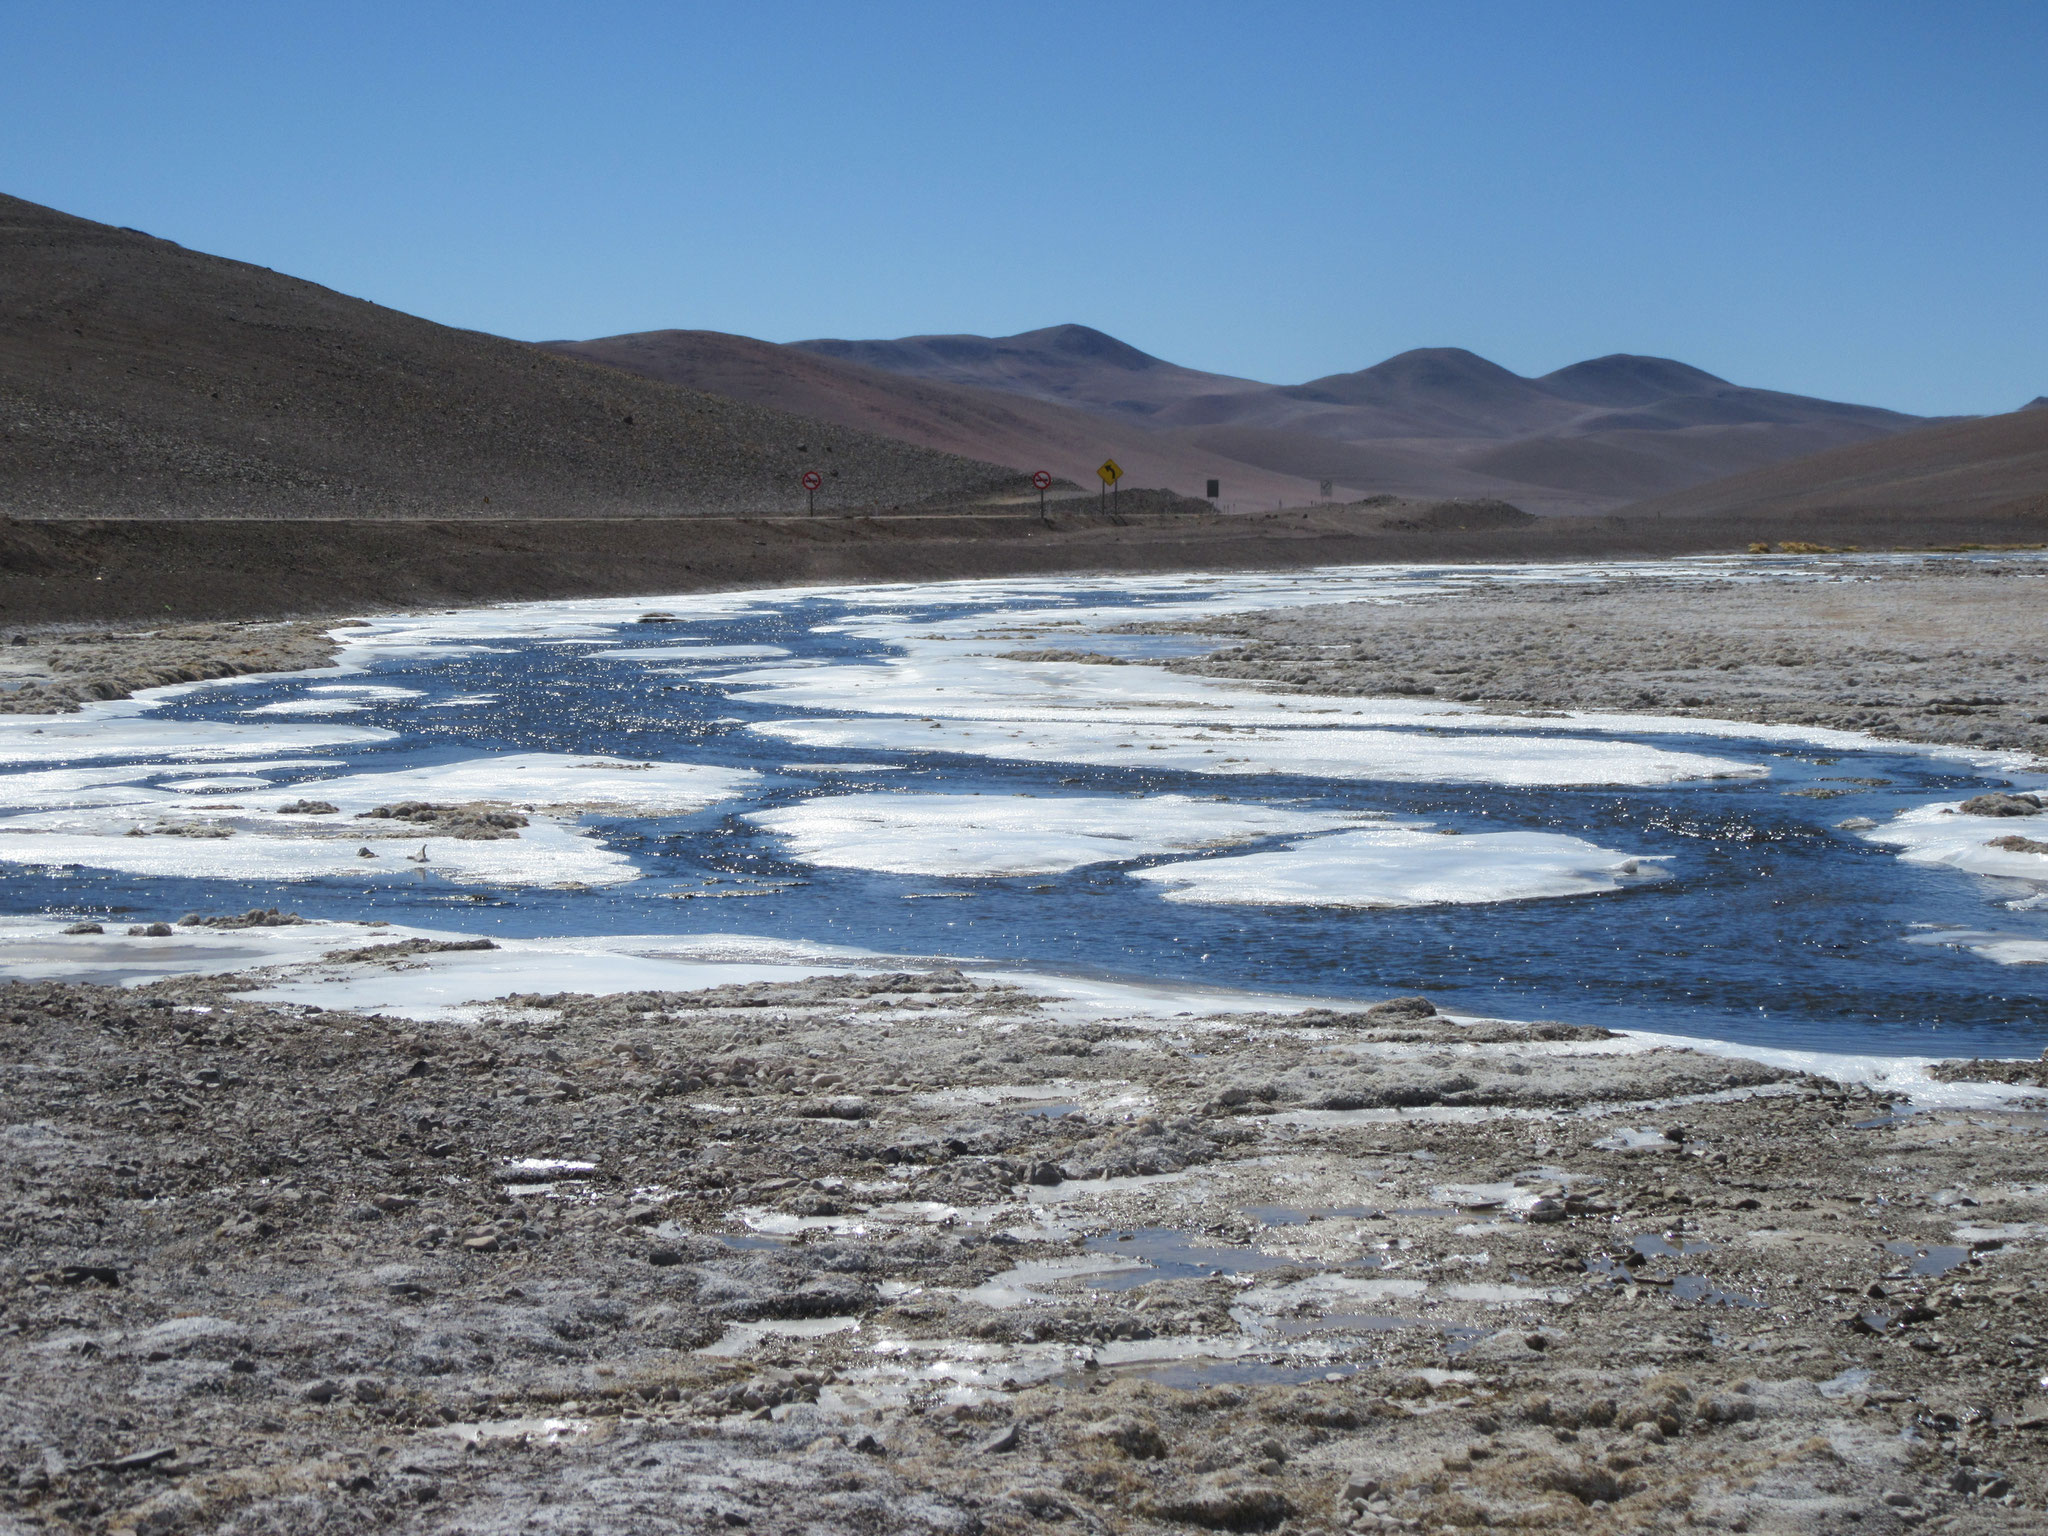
(1111, 471)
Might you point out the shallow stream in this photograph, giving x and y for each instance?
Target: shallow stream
(1110, 821)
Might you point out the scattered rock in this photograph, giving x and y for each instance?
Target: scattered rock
(472, 822)
(255, 917)
(2001, 804)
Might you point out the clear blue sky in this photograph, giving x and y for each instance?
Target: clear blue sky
(1844, 199)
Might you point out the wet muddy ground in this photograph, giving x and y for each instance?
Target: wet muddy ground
(903, 1252)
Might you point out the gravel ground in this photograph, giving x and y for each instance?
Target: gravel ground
(1950, 652)
(273, 1269)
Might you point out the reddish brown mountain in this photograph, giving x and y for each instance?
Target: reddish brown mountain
(1993, 467)
(138, 378)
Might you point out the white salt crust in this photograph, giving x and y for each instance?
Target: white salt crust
(1406, 867)
(990, 835)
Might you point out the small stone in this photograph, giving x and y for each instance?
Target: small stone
(85, 928)
(1004, 1439)
(486, 1243)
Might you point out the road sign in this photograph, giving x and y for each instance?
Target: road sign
(1042, 480)
(1111, 471)
(813, 480)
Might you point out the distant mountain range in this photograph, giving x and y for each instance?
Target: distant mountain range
(141, 379)
(1433, 422)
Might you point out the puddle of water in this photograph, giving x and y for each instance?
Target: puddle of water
(1049, 1111)
(1171, 1254)
(1934, 1259)
(1682, 1287)
(1653, 1246)
(1697, 1288)
(1894, 1114)
(1292, 1216)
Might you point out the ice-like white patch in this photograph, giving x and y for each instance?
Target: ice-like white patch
(693, 652)
(1335, 752)
(1328, 1290)
(367, 690)
(841, 767)
(1999, 948)
(1637, 1139)
(1405, 867)
(540, 779)
(136, 784)
(1023, 1284)
(213, 786)
(741, 1337)
(1942, 834)
(543, 1431)
(140, 833)
(1501, 1295)
(309, 707)
(299, 848)
(106, 733)
(995, 835)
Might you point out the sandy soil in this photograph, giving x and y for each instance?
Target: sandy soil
(272, 1269)
(1953, 652)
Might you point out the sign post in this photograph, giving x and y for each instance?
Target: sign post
(1041, 479)
(1111, 472)
(812, 480)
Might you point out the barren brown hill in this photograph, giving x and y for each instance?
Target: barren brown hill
(1992, 468)
(1022, 431)
(1067, 364)
(1437, 421)
(141, 379)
